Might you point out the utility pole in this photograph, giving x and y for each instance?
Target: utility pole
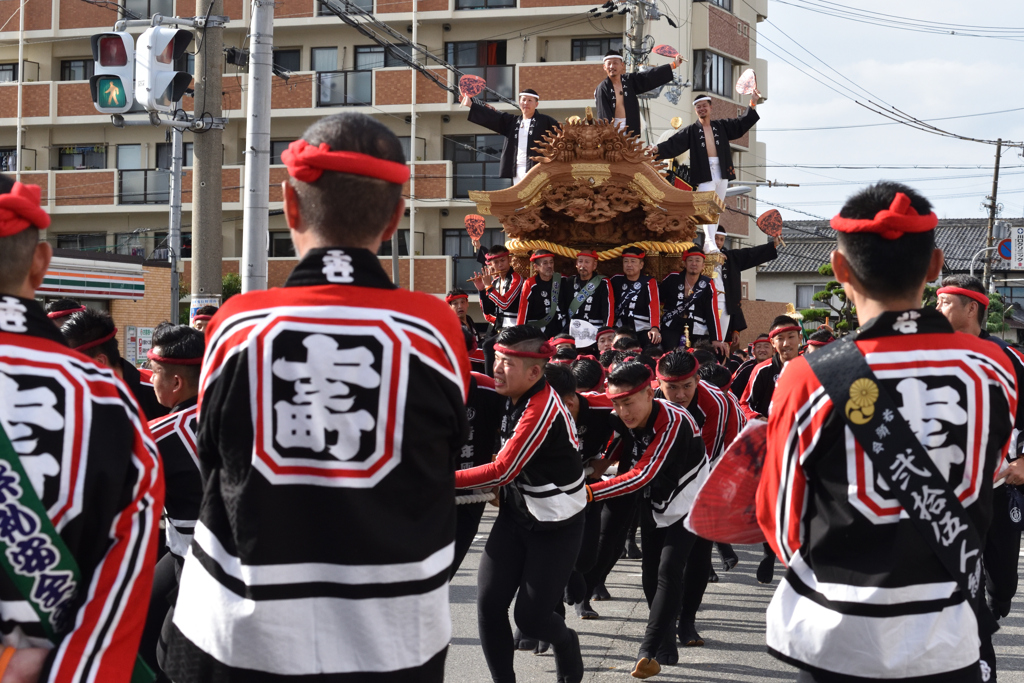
(21, 80)
(208, 157)
(992, 207)
(635, 32)
(256, 206)
(412, 156)
(174, 222)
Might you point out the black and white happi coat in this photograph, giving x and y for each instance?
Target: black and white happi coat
(698, 309)
(175, 437)
(637, 305)
(510, 126)
(332, 412)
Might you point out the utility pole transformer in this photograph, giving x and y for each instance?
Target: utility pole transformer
(208, 157)
(993, 206)
(256, 204)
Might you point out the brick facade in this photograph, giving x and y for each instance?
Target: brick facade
(734, 223)
(728, 34)
(231, 181)
(149, 311)
(84, 188)
(562, 82)
(37, 18)
(430, 274)
(431, 182)
(293, 9)
(75, 99)
(759, 316)
(296, 93)
(392, 87)
(231, 96)
(727, 109)
(40, 179)
(78, 14)
(36, 100)
(396, 6)
(187, 8)
(277, 176)
(526, 4)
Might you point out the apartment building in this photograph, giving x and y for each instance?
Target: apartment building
(107, 188)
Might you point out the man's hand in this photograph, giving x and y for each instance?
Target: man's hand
(721, 346)
(654, 335)
(25, 666)
(778, 242)
(677, 61)
(476, 245)
(1014, 474)
(754, 97)
(600, 465)
(466, 101)
(478, 282)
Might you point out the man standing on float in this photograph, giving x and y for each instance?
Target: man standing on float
(522, 133)
(616, 96)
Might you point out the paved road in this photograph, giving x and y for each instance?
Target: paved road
(731, 622)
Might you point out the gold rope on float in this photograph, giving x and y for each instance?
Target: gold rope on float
(521, 246)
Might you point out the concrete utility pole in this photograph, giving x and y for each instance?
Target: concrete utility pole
(992, 208)
(412, 156)
(21, 80)
(256, 205)
(208, 157)
(174, 222)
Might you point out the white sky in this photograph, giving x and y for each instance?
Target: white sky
(925, 75)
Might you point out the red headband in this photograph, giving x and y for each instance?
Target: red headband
(779, 330)
(491, 257)
(307, 163)
(562, 340)
(545, 351)
(688, 254)
(61, 314)
(591, 254)
(601, 334)
(537, 257)
(635, 390)
(642, 254)
(20, 209)
(815, 342)
(173, 361)
(977, 296)
(896, 221)
(456, 297)
(202, 317)
(680, 378)
(96, 342)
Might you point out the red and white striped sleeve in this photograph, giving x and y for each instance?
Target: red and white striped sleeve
(528, 436)
(503, 301)
(524, 301)
(105, 640)
(655, 302)
(610, 321)
(668, 429)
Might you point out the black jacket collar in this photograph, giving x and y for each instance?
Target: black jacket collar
(339, 266)
(915, 321)
(185, 405)
(26, 316)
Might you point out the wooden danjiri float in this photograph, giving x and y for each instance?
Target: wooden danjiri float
(594, 186)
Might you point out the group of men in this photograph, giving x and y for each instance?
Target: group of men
(320, 435)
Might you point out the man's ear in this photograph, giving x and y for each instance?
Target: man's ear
(935, 265)
(396, 217)
(291, 206)
(40, 264)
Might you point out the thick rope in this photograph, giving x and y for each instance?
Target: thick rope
(484, 497)
(523, 246)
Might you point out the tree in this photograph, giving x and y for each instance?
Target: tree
(996, 314)
(845, 312)
(230, 285)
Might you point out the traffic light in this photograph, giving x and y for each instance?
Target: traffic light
(157, 85)
(112, 87)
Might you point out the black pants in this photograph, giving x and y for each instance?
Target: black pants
(488, 347)
(467, 522)
(1002, 551)
(695, 579)
(165, 584)
(587, 557)
(665, 552)
(616, 519)
(536, 563)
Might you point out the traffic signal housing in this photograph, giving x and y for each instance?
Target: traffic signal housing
(113, 83)
(158, 86)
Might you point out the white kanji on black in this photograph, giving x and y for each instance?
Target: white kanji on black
(28, 413)
(12, 315)
(324, 399)
(338, 267)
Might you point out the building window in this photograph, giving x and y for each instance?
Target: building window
(375, 57)
(403, 246)
(458, 245)
(724, 4)
(484, 4)
(593, 49)
(365, 5)
(805, 297)
(145, 9)
(72, 158)
(487, 59)
(129, 157)
(76, 69)
(712, 73)
(281, 245)
(323, 59)
(94, 242)
(8, 160)
(290, 60)
(8, 73)
(276, 147)
(475, 163)
(163, 155)
(744, 291)
(421, 145)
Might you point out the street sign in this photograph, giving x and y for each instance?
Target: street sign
(1006, 250)
(1017, 235)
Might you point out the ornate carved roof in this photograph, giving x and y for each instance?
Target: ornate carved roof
(594, 185)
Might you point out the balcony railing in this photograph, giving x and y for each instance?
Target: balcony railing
(484, 4)
(501, 79)
(145, 187)
(344, 88)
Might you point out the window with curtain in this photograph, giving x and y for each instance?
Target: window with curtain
(593, 49)
(323, 58)
(288, 59)
(76, 69)
(805, 296)
(163, 155)
(82, 156)
(712, 73)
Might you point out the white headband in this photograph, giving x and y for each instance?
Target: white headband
(705, 98)
(612, 57)
(530, 94)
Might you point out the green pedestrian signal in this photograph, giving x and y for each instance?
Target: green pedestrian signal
(111, 92)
